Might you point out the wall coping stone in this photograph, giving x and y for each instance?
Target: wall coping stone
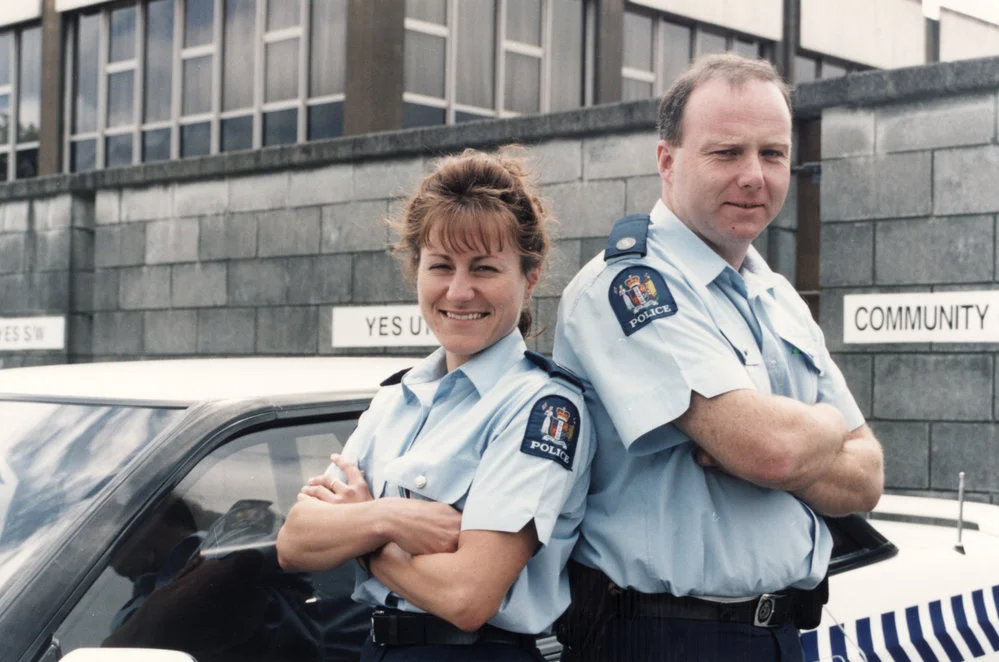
(889, 86)
(426, 141)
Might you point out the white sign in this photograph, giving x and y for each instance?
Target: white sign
(942, 317)
(18, 333)
(380, 326)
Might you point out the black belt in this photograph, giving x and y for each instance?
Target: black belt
(391, 627)
(770, 610)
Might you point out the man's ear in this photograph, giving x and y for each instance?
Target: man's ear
(665, 158)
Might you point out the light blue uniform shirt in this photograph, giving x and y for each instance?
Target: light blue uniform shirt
(656, 521)
(463, 438)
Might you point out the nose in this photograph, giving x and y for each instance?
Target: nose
(460, 288)
(751, 173)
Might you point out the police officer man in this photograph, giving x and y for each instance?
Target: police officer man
(724, 428)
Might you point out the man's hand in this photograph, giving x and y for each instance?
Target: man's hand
(424, 527)
(333, 490)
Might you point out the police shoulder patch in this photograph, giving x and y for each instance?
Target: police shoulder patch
(552, 430)
(638, 295)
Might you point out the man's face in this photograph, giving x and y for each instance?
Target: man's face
(729, 177)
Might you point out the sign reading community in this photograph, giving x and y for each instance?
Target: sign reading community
(939, 317)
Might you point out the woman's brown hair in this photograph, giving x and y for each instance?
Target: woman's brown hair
(473, 200)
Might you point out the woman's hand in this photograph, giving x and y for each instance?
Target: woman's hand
(333, 490)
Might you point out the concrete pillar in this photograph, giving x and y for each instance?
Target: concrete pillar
(375, 66)
(50, 132)
(787, 47)
(608, 51)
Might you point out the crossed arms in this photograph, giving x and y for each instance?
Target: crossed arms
(415, 548)
(780, 443)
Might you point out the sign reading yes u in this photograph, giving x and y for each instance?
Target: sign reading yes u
(380, 326)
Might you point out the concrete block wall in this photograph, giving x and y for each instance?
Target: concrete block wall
(909, 203)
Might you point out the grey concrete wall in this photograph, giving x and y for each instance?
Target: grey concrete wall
(908, 204)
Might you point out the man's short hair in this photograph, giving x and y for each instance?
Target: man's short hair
(736, 69)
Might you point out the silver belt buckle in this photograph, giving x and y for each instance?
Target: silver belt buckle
(765, 608)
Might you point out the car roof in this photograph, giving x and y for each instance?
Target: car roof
(941, 512)
(184, 381)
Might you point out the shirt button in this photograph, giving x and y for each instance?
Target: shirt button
(420, 482)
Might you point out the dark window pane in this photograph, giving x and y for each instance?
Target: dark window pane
(29, 111)
(6, 41)
(281, 76)
(122, 34)
(830, 70)
(804, 69)
(238, 60)
(82, 155)
(283, 14)
(676, 50)
(567, 55)
(4, 119)
(27, 164)
(710, 42)
(118, 151)
(237, 133)
(633, 90)
(637, 41)
(197, 81)
(329, 46)
(414, 115)
(281, 127)
(523, 21)
(121, 95)
(155, 145)
(325, 121)
(85, 74)
(4, 161)
(460, 117)
(747, 48)
(475, 63)
(198, 17)
(424, 64)
(195, 139)
(523, 83)
(432, 11)
(159, 59)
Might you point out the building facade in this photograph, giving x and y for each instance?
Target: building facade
(92, 84)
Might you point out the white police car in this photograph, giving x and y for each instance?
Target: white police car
(114, 477)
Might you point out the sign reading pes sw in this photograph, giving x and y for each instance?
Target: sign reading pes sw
(380, 326)
(22, 333)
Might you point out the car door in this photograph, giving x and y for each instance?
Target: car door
(197, 571)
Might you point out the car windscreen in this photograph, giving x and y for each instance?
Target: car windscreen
(54, 460)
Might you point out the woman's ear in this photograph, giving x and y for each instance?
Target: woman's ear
(533, 276)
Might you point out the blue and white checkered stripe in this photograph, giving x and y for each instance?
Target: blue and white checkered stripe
(965, 627)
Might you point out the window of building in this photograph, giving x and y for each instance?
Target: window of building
(20, 101)
(811, 67)
(154, 80)
(491, 58)
(657, 51)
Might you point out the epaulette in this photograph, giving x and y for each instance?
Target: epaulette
(396, 378)
(628, 236)
(554, 369)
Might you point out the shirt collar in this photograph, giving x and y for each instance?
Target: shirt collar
(484, 369)
(757, 273)
(481, 370)
(695, 257)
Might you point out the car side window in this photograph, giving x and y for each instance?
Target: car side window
(199, 573)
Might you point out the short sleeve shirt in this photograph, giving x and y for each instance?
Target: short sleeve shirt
(500, 440)
(644, 332)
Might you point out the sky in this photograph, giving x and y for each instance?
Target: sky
(987, 10)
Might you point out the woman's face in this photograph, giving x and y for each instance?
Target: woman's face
(471, 298)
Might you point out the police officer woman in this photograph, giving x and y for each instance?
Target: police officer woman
(463, 486)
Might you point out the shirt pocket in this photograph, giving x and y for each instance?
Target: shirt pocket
(744, 345)
(445, 480)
